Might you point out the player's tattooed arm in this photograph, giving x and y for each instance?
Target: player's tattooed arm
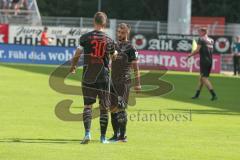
(75, 60)
(137, 75)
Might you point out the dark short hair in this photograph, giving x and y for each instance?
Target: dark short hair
(45, 28)
(100, 18)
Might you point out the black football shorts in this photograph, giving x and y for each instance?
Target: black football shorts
(119, 95)
(205, 69)
(93, 90)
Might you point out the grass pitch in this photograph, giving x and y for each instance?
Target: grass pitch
(29, 128)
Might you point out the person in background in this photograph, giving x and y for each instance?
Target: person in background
(24, 4)
(236, 57)
(205, 49)
(15, 6)
(5, 6)
(44, 37)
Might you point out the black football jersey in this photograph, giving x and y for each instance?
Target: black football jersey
(97, 47)
(121, 66)
(206, 50)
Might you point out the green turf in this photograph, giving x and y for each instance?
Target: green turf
(29, 128)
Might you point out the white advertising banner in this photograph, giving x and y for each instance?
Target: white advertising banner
(60, 36)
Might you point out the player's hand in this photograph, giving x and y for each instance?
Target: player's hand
(137, 88)
(73, 69)
(114, 56)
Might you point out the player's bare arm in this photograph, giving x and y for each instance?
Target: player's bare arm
(137, 75)
(75, 60)
(196, 51)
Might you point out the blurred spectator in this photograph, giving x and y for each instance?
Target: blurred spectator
(236, 64)
(24, 4)
(15, 6)
(5, 6)
(236, 56)
(44, 37)
(237, 40)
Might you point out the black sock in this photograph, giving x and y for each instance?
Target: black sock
(122, 120)
(115, 124)
(87, 118)
(103, 121)
(197, 93)
(212, 92)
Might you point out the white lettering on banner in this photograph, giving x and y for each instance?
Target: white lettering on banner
(184, 45)
(183, 62)
(60, 56)
(17, 54)
(158, 44)
(165, 60)
(171, 61)
(1, 53)
(149, 59)
(42, 56)
(36, 56)
(154, 44)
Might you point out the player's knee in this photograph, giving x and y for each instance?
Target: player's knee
(204, 78)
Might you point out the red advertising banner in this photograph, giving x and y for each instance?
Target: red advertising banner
(176, 61)
(3, 33)
(215, 25)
